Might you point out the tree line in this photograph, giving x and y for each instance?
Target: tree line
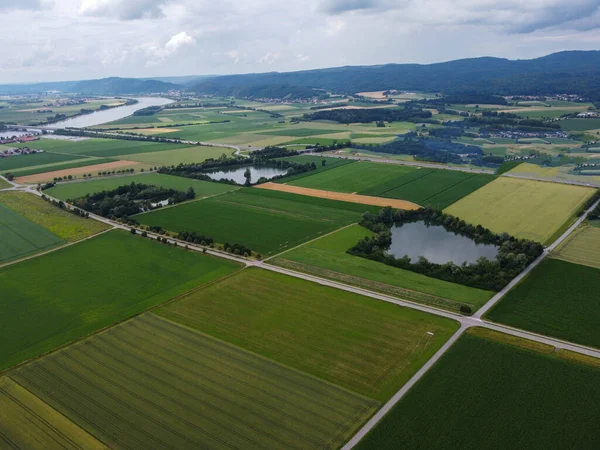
(368, 115)
(514, 254)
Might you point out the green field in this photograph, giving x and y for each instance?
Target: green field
(195, 154)
(266, 221)
(491, 391)
(61, 166)
(102, 148)
(4, 184)
(80, 289)
(37, 159)
(61, 223)
(357, 177)
(581, 247)
(524, 208)
(330, 163)
(431, 187)
(327, 257)
(29, 423)
(557, 299)
(20, 237)
(367, 346)
(580, 124)
(150, 383)
(65, 191)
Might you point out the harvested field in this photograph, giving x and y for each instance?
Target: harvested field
(364, 345)
(581, 247)
(351, 198)
(150, 131)
(27, 422)
(493, 391)
(41, 177)
(378, 95)
(524, 208)
(151, 383)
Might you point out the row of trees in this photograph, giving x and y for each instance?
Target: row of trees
(368, 115)
(514, 254)
(126, 137)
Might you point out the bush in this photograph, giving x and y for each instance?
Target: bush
(466, 310)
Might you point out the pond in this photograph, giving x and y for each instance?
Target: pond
(110, 115)
(437, 244)
(237, 173)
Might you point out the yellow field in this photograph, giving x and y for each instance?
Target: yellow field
(535, 170)
(582, 247)
(29, 423)
(524, 208)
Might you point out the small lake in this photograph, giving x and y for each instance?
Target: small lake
(237, 173)
(436, 244)
(110, 115)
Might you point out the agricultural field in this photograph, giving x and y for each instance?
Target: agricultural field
(558, 299)
(580, 124)
(330, 163)
(561, 173)
(28, 422)
(36, 159)
(524, 208)
(150, 382)
(327, 257)
(91, 285)
(266, 221)
(431, 187)
(366, 346)
(493, 391)
(4, 184)
(65, 191)
(20, 237)
(195, 154)
(581, 247)
(45, 168)
(66, 226)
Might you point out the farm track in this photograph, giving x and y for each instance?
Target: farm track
(466, 322)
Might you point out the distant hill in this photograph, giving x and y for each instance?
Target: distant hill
(246, 88)
(118, 86)
(576, 72)
(104, 86)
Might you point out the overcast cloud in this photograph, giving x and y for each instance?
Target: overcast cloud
(48, 40)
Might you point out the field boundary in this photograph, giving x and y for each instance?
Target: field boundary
(332, 195)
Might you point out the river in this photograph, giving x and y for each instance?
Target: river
(110, 115)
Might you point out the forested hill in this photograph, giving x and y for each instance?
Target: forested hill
(576, 72)
(116, 86)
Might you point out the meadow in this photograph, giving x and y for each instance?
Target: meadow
(150, 382)
(477, 397)
(91, 285)
(581, 247)
(27, 422)
(266, 221)
(580, 124)
(63, 224)
(4, 184)
(20, 237)
(65, 191)
(557, 298)
(367, 346)
(430, 187)
(330, 163)
(327, 257)
(524, 208)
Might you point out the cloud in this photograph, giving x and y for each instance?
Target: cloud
(20, 4)
(179, 40)
(269, 58)
(334, 26)
(342, 6)
(123, 9)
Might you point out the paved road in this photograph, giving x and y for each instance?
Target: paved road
(402, 392)
(465, 321)
(552, 180)
(496, 298)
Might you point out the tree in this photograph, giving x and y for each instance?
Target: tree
(248, 176)
(132, 231)
(323, 163)
(465, 309)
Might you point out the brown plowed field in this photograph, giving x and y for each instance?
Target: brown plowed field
(351, 198)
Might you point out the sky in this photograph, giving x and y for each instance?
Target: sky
(52, 40)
